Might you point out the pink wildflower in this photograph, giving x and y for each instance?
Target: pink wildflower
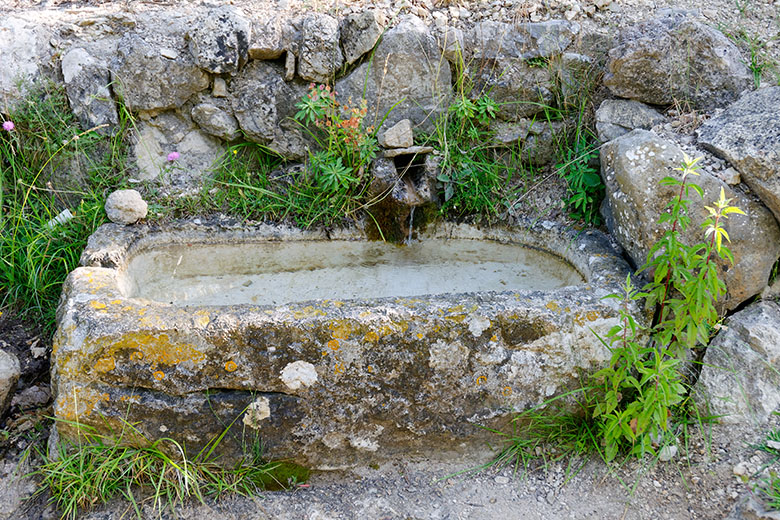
(173, 156)
(8, 125)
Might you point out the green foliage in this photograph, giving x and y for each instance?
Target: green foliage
(346, 147)
(35, 253)
(644, 380)
(629, 405)
(99, 468)
(583, 181)
(474, 180)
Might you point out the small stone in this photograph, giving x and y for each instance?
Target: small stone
(730, 176)
(168, 53)
(502, 480)
(439, 19)
(399, 135)
(9, 376)
(667, 453)
(741, 469)
(125, 207)
(220, 88)
(289, 66)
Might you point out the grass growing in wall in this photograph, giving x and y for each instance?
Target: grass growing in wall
(41, 146)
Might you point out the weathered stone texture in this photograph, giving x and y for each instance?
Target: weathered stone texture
(220, 40)
(747, 134)
(154, 78)
(264, 104)
(329, 383)
(632, 167)
(87, 81)
(360, 32)
(125, 207)
(20, 55)
(616, 117)
(407, 67)
(739, 379)
(319, 55)
(676, 58)
(9, 376)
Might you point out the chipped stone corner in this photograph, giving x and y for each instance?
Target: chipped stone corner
(298, 374)
(256, 412)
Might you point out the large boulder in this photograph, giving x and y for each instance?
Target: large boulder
(20, 48)
(195, 151)
(220, 40)
(152, 77)
(407, 75)
(632, 167)
(510, 63)
(747, 134)
(675, 58)
(216, 120)
(9, 376)
(87, 81)
(319, 54)
(360, 32)
(264, 104)
(268, 42)
(739, 380)
(616, 117)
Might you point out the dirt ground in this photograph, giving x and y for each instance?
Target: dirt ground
(714, 475)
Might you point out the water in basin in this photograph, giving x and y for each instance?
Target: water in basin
(276, 273)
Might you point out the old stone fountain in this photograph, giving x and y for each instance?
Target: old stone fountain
(331, 350)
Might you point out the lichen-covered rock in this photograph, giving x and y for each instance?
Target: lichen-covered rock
(220, 40)
(510, 63)
(264, 104)
(215, 121)
(319, 54)
(407, 69)
(616, 117)
(632, 167)
(360, 32)
(400, 135)
(9, 376)
(151, 77)
(676, 58)
(125, 207)
(20, 51)
(747, 134)
(87, 81)
(158, 137)
(538, 140)
(326, 383)
(739, 381)
(267, 42)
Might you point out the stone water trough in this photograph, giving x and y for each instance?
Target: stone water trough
(329, 349)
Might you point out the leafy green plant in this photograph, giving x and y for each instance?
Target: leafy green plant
(472, 178)
(347, 147)
(629, 405)
(583, 181)
(644, 379)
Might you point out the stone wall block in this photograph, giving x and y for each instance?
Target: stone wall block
(632, 167)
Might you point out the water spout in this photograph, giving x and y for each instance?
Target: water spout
(411, 225)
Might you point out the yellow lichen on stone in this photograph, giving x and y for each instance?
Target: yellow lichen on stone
(153, 349)
(308, 312)
(105, 364)
(159, 375)
(81, 402)
(553, 306)
(202, 319)
(341, 329)
(97, 305)
(371, 336)
(231, 366)
(333, 344)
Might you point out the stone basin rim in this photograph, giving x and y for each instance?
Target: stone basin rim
(589, 253)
